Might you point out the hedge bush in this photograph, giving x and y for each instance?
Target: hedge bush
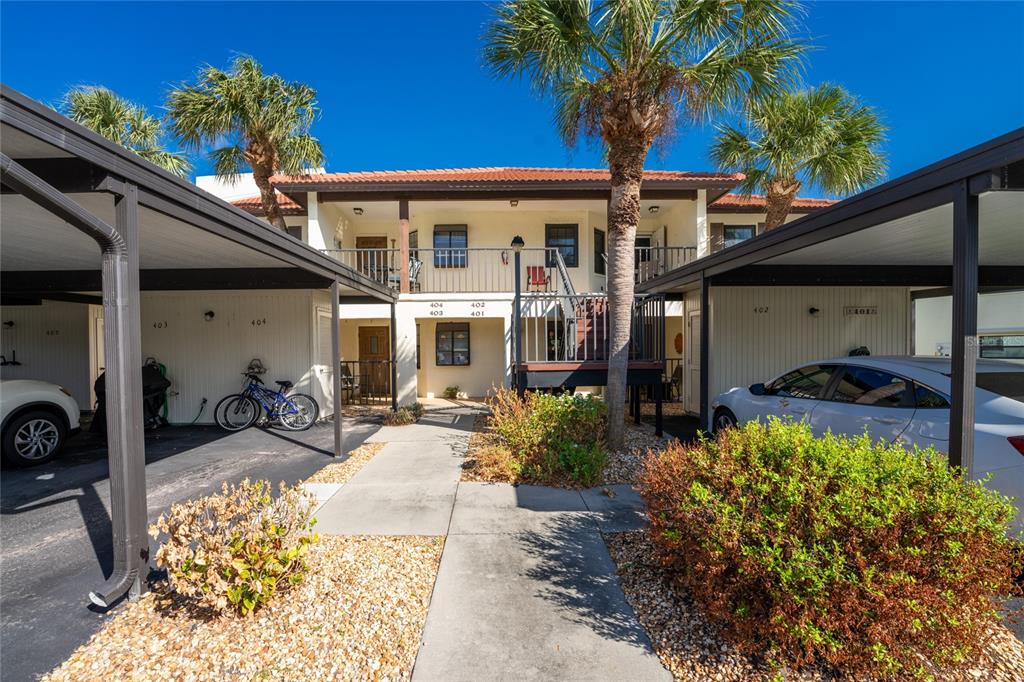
(861, 555)
(551, 439)
(404, 416)
(235, 550)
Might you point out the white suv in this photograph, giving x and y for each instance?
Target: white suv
(36, 419)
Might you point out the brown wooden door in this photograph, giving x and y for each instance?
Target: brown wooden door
(374, 354)
(373, 261)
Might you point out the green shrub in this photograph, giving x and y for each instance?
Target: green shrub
(235, 550)
(451, 392)
(864, 555)
(555, 439)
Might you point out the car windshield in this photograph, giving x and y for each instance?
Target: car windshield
(1006, 384)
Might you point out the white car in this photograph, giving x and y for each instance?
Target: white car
(897, 398)
(36, 418)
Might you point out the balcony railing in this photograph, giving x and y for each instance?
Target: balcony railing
(651, 261)
(380, 265)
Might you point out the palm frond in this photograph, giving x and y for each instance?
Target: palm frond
(299, 153)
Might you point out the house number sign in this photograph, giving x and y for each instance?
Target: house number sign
(857, 310)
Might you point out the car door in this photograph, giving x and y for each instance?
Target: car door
(864, 398)
(795, 394)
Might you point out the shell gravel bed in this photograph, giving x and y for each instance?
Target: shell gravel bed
(341, 472)
(692, 649)
(358, 616)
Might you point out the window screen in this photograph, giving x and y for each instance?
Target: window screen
(450, 243)
(1005, 346)
(866, 386)
(565, 238)
(806, 382)
(734, 234)
(452, 343)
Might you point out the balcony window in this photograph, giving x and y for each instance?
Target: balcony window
(734, 234)
(452, 344)
(414, 245)
(565, 238)
(600, 267)
(450, 242)
(643, 244)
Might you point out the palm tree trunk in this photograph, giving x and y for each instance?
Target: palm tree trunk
(780, 196)
(627, 169)
(268, 197)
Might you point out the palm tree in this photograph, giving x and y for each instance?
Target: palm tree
(822, 135)
(123, 122)
(620, 71)
(261, 120)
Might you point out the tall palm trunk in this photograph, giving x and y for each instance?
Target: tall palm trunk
(626, 162)
(781, 194)
(261, 174)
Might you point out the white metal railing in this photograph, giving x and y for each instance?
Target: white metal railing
(380, 265)
(651, 261)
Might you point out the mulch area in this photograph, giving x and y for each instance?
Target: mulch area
(341, 472)
(692, 649)
(358, 615)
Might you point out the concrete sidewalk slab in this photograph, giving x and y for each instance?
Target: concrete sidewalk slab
(388, 509)
(322, 492)
(623, 510)
(504, 508)
(536, 605)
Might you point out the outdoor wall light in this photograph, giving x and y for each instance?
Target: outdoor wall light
(9, 323)
(513, 202)
(518, 243)
(208, 315)
(812, 311)
(654, 209)
(357, 210)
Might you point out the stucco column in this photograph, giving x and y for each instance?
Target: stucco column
(405, 353)
(403, 234)
(314, 230)
(703, 237)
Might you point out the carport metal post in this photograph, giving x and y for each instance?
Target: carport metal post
(394, 358)
(123, 360)
(336, 366)
(705, 352)
(965, 327)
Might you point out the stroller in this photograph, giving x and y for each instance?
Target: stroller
(154, 397)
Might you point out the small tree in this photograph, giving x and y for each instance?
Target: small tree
(618, 71)
(124, 122)
(261, 120)
(822, 135)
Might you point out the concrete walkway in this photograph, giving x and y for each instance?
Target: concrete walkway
(526, 588)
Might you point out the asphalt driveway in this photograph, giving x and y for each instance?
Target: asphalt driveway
(55, 523)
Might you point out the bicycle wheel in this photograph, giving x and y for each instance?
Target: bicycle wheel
(298, 412)
(236, 412)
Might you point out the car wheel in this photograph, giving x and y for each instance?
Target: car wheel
(724, 419)
(33, 438)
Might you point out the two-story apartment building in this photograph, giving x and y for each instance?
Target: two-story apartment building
(443, 239)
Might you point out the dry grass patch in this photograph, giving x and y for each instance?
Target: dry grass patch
(358, 615)
(341, 472)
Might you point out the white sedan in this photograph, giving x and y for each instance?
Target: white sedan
(37, 417)
(896, 398)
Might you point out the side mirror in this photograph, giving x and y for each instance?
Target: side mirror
(757, 389)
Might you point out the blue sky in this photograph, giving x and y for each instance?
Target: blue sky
(402, 85)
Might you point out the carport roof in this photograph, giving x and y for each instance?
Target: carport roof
(189, 239)
(899, 233)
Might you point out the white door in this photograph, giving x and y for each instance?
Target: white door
(324, 367)
(693, 362)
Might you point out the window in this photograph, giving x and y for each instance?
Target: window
(565, 238)
(866, 386)
(294, 231)
(452, 343)
(642, 246)
(1004, 346)
(734, 234)
(806, 382)
(450, 243)
(600, 267)
(414, 245)
(925, 397)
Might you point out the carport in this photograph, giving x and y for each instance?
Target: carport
(86, 221)
(955, 227)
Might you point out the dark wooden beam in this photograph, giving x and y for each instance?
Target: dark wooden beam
(68, 175)
(392, 194)
(864, 275)
(187, 279)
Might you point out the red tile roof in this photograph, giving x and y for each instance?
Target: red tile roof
(499, 175)
(756, 201)
(254, 205)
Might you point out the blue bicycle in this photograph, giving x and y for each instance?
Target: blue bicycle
(295, 412)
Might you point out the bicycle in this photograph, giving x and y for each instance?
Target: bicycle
(295, 412)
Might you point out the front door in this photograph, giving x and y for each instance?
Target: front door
(693, 363)
(374, 353)
(372, 257)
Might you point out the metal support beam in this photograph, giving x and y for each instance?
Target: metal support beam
(965, 327)
(403, 239)
(394, 357)
(705, 353)
(339, 445)
(517, 325)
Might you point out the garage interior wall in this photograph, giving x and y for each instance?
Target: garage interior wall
(933, 319)
(51, 341)
(760, 332)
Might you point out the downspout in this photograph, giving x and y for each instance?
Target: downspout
(129, 555)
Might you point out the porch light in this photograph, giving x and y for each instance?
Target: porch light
(518, 243)
(513, 202)
(357, 210)
(654, 209)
